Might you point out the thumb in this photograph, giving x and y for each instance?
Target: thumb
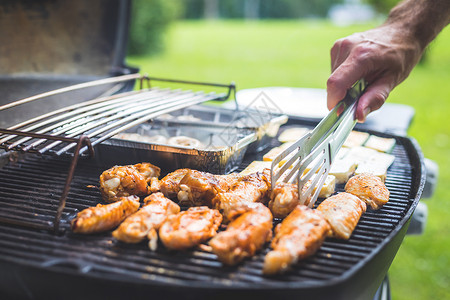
(373, 98)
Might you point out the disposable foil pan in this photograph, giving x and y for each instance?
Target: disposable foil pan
(221, 150)
(265, 125)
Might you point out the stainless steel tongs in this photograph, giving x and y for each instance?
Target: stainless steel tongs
(307, 161)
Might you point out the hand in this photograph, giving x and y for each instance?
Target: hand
(383, 56)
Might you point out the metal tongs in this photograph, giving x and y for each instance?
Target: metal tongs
(307, 161)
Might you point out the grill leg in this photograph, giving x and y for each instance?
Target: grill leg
(384, 291)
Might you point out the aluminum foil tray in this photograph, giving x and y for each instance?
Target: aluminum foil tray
(221, 149)
(265, 124)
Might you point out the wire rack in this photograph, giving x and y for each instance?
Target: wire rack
(75, 130)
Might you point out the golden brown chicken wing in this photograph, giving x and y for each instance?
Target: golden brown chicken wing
(300, 234)
(250, 227)
(368, 188)
(199, 188)
(283, 199)
(104, 217)
(148, 171)
(136, 227)
(123, 181)
(342, 211)
(190, 228)
(169, 185)
(247, 189)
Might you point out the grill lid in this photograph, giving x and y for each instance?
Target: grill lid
(47, 45)
(63, 37)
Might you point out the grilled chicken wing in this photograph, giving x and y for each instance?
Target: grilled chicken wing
(136, 227)
(342, 211)
(247, 189)
(190, 228)
(123, 181)
(148, 171)
(199, 188)
(170, 184)
(249, 229)
(283, 199)
(368, 188)
(300, 234)
(104, 217)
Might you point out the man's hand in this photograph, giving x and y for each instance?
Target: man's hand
(381, 56)
(385, 56)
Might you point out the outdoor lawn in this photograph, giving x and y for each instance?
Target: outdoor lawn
(296, 54)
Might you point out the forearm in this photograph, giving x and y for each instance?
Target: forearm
(420, 20)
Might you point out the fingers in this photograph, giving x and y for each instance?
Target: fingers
(341, 49)
(338, 55)
(341, 80)
(374, 97)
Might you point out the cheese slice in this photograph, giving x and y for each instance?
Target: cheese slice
(360, 154)
(372, 168)
(355, 139)
(292, 134)
(328, 188)
(256, 166)
(274, 152)
(377, 165)
(380, 144)
(343, 169)
(342, 153)
(382, 159)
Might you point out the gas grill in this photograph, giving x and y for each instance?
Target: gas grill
(47, 265)
(41, 258)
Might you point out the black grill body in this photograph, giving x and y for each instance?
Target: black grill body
(41, 265)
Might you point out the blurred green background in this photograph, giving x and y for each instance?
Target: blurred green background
(228, 43)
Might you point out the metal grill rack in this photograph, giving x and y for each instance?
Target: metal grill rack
(76, 129)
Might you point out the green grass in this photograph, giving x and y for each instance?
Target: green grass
(291, 53)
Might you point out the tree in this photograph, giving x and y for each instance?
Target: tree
(382, 6)
(149, 21)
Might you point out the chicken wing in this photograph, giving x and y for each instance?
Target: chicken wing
(283, 199)
(342, 211)
(148, 171)
(190, 228)
(250, 227)
(170, 184)
(123, 181)
(300, 234)
(104, 217)
(199, 188)
(368, 188)
(150, 217)
(247, 189)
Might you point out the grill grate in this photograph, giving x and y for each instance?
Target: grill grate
(100, 118)
(69, 131)
(30, 189)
